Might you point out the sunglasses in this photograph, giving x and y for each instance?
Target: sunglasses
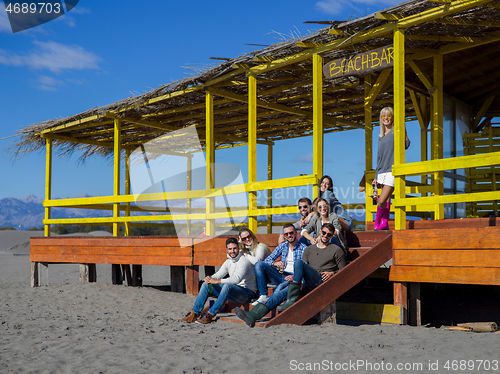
(327, 234)
(288, 233)
(245, 238)
(389, 117)
(303, 206)
(322, 207)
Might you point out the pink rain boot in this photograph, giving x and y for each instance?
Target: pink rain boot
(384, 220)
(378, 217)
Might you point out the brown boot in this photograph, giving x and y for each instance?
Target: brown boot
(205, 319)
(190, 317)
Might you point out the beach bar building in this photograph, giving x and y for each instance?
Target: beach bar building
(436, 62)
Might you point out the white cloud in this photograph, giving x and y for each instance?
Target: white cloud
(336, 7)
(80, 10)
(309, 158)
(47, 83)
(52, 56)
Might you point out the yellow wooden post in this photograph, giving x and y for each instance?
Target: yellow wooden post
(368, 149)
(252, 149)
(116, 173)
(270, 192)
(48, 183)
(437, 129)
(493, 176)
(210, 158)
(127, 190)
(189, 160)
(317, 120)
(399, 122)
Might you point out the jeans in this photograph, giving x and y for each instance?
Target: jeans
(279, 295)
(304, 271)
(223, 292)
(265, 272)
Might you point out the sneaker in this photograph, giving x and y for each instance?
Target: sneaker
(205, 319)
(261, 300)
(190, 317)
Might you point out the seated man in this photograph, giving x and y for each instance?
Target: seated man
(274, 271)
(239, 287)
(319, 263)
(305, 208)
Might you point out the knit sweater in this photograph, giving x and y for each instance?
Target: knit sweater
(261, 252)
(240, 272)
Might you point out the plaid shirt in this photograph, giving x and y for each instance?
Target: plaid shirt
(282, 250)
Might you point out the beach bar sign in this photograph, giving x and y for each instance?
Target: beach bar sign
(361, 63)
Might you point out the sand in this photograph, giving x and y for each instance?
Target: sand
(68, 327)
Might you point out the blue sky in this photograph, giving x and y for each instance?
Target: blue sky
(104, 51)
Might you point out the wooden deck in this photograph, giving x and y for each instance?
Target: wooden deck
(463, 251)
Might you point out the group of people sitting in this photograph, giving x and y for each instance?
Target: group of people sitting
(310, 258)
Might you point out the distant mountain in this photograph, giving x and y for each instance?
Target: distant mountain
(28, 212)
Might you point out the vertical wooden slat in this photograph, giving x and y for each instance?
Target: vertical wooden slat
(252, 148)
(317, 119)
(400, 291)
(414, 304)
(368, 145)
(210, 158)
(48, 183)
(399, 122)
(269, 192)
(437, 129)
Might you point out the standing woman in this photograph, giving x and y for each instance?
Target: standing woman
(251, 248)
(383, 173)
(325, 191)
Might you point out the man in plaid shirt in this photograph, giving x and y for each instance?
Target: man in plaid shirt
(277, 272)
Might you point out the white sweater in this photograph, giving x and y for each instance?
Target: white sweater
(240, 272)
(261, 252)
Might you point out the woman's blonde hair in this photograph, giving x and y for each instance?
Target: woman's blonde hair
(382, 112)
(255, 242)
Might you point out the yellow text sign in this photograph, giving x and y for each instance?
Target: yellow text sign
(361, 63)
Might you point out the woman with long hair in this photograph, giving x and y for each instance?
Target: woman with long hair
(383, 174)
(251, 248)
(323, 215)
(325, 191)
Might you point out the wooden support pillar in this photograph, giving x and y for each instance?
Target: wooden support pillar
(414, 305)
(127, 190)
(177, 279)
(35, 266)
(137, 275)
(192, 280)
(189, 168)
(400, 291)
(252, 149)
(42, 273)
(437, 130)
(269, 192)
(399, 123)
(210, 159)
(48, 184)
(368, 147)
(88, 273)
(34, 274)
(117, 275)
(116, 270)
(329, 314)
(317, 120)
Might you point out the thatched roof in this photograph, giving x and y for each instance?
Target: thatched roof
(468, 38)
